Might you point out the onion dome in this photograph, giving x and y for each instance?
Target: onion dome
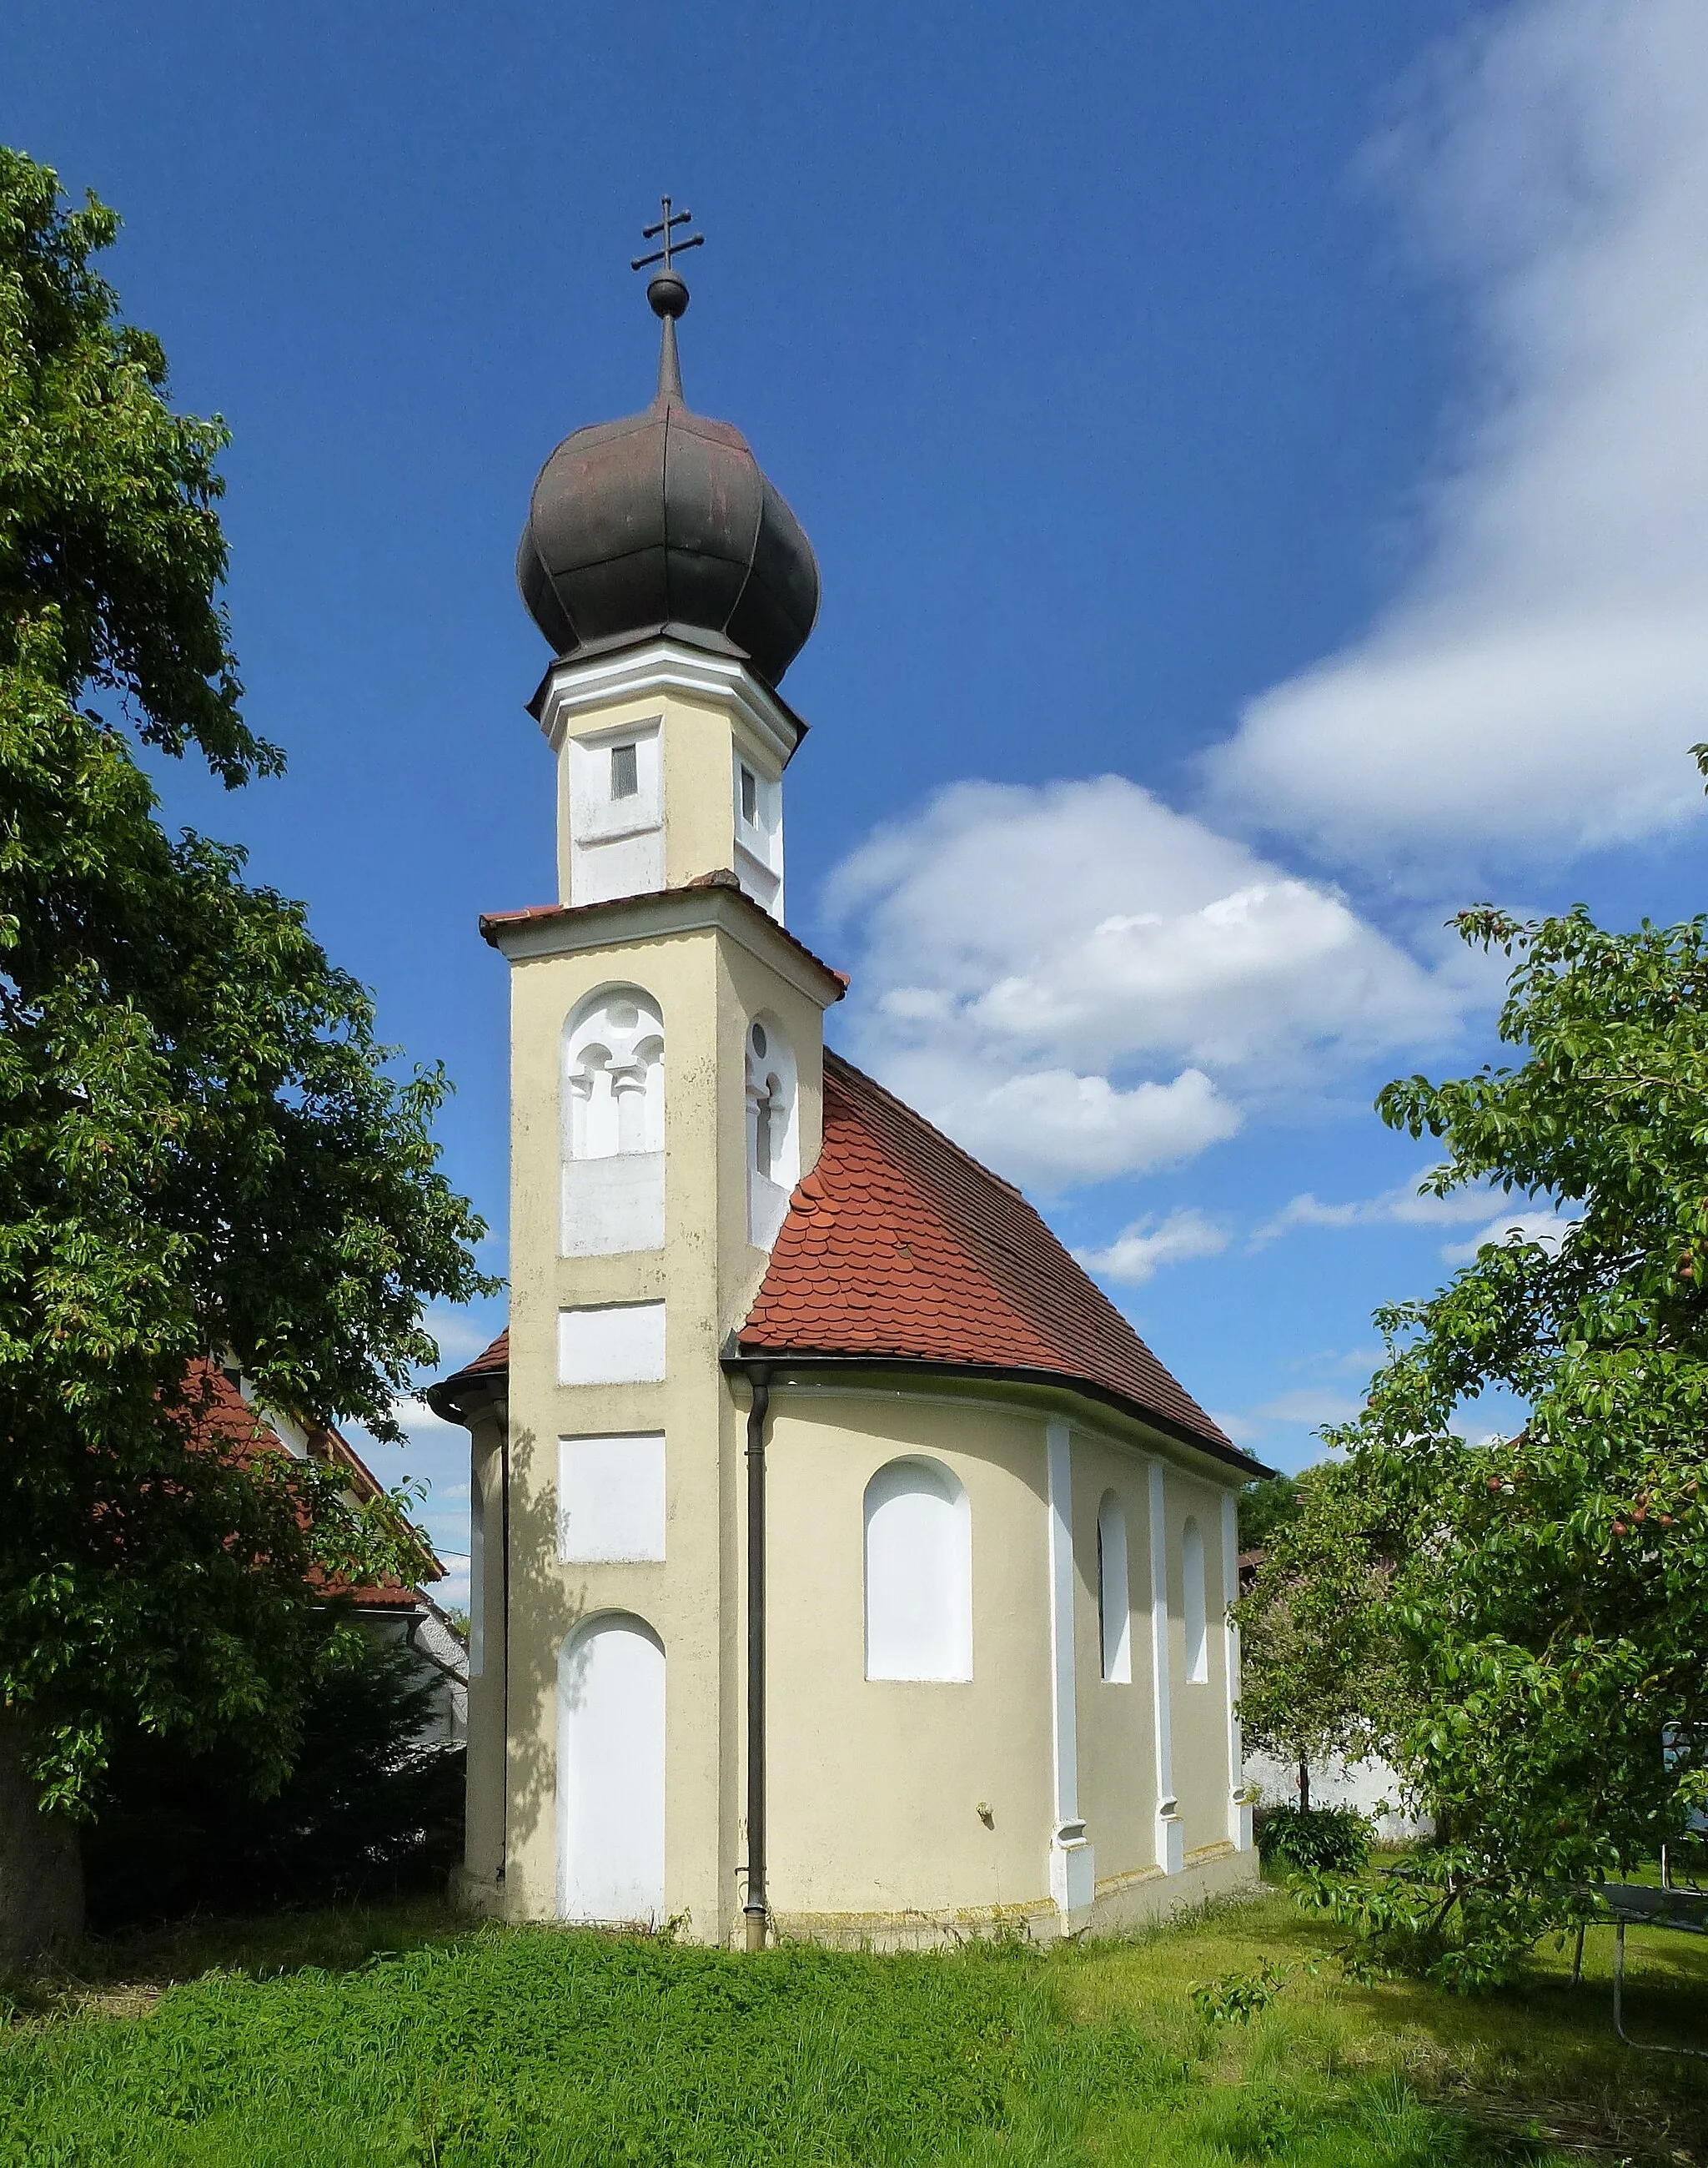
(664, 523)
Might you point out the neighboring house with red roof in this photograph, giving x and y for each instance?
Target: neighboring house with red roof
(842, 1558)
(390, 1612)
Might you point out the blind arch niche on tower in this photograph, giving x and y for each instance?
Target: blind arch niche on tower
(612, 1146)
(919, 1573)
(773, 1129)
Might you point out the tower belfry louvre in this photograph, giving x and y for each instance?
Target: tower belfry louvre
(843, 1561)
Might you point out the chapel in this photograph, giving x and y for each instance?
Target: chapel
(845, 1566)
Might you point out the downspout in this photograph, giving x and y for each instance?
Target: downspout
(504, 1608)
(754, 1910)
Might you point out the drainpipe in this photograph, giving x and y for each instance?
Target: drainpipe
(504, 1673)
(753, 1912)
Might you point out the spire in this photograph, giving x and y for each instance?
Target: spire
(667, 294)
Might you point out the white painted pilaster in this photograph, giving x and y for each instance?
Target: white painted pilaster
(1170, 1841)
(1238, 1805)
(1073, 1864)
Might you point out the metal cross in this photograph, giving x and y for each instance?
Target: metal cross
(671, 247)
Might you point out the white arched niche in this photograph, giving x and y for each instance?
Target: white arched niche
(773, 1129)
(611, 1773)
(614, 1123)
(919, 1573)
(1114, 1601)
(1195, 1604)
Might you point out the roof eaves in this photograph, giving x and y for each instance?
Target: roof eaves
(493, 924)
(826, 1362)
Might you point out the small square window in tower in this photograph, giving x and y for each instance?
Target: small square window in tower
(616, 813)
(750, 796)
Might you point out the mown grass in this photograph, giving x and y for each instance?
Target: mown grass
(394, 2036)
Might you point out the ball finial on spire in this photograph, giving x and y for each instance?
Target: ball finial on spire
(666, 292)
(664, 523)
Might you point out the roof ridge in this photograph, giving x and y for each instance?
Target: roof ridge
(841, 1063)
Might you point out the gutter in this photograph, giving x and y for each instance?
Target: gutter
(735, 1360)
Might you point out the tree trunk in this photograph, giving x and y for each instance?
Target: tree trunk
(1304, 1786)
(41, 1868)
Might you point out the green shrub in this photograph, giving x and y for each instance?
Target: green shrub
(1316, 1839)
(369, 1809)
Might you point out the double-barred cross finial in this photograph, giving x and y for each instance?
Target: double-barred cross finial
(665, 231)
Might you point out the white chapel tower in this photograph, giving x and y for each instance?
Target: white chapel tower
(842, 1559)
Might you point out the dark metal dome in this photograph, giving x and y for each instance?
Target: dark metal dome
(663, 521)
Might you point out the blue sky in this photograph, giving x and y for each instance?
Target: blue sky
(1256, 459)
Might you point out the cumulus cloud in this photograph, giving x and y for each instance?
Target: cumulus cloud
(459, 1334)
(1310, 1404)
(1550, 1228)
(1078, 982)
(1535, 683)
(1139, 1251)
(1400, 1206)
(422, 1426)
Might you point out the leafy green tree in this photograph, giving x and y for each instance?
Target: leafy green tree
(1317, 1673)
(1264, 1507)
(204, 1152)
(1550, 1591)
(371, 1806)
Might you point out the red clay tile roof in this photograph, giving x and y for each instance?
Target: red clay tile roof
(493, 1361)
(899, 1243)
(226, 1422)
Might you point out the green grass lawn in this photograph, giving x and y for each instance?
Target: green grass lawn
(394, 2035)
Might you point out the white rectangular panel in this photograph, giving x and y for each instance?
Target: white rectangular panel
(620, 1343)
(613, 1204)
(611, 1498)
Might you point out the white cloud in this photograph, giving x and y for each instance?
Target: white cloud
(1139, 1251)
(1401, 1206)
(452, 1593)
(1534, 685)
(459, 1334)
(422, 1426)
(1078, 982)
(1242, 1429)
(1310, 1404)
(1550, 1228)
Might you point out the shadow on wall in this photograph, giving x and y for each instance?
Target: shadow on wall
(537, 1592)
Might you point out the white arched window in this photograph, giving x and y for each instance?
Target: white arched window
(773, 1129)
(614, 1123)
(1194, 1603)
(918, 1573)
(1114, 1604)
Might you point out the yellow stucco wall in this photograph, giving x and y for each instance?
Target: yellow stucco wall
(875, 1786)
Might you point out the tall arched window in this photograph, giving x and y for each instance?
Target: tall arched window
(918, 1573)
(773, 1129)
(1194, 1603)
(1114, 1604)
(613, 1124)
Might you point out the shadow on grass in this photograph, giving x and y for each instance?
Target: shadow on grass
(1537, 2063)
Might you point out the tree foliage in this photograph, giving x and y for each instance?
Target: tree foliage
(370, 1808)
(1318, 1678)
(1549, 1591)
(203, 1150)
